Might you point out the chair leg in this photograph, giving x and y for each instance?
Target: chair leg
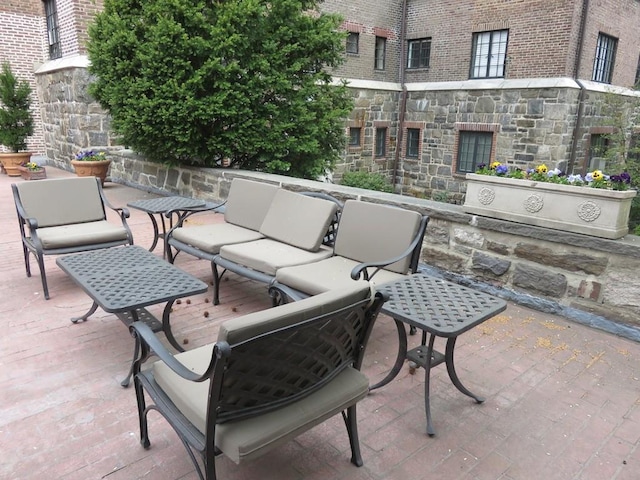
(142, 413)
(216, 284)
(27, 264)
(351, 421)
(43, 275)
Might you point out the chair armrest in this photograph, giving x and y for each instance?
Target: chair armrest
(147, 342)
(412, 249)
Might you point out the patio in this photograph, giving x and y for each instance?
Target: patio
(562, 400)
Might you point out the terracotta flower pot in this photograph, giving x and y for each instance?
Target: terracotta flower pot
(12, 160)
(98, 169)
(28, 174)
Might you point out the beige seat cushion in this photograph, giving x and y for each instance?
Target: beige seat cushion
(248, 203)
(267, 255)
(372, 232)
(332, 273)
(250, 438)
(209, 238)
(79, 234)
(62, 201)
(298, 220)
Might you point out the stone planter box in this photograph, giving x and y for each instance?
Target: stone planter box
(591, 211)
(27, 174)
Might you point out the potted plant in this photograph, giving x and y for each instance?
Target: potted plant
(596, 205)
(16, 120)
(32, 171)
(91, 163)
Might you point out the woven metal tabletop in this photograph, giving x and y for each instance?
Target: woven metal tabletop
(443, 308)
(125, 278)
(165, 204)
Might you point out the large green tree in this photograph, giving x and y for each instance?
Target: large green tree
(198, 81)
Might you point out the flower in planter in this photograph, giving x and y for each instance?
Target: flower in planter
(33, 166)
(541, 173)
(91, 156)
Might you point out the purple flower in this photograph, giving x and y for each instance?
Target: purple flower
(502, 169)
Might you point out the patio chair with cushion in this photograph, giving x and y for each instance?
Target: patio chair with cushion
(65, 215)
(374, 242)
(271, 376)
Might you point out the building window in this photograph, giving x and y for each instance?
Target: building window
(352, 42)
(605, 58)
(599, 144)
(637, 82)
(419, 53)
(53, 36)
(381, 50)
(474, 148)
(354, 136)
(489, 54)
(381, 141)
(413, 142)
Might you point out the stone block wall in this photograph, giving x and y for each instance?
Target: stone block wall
(588, 279)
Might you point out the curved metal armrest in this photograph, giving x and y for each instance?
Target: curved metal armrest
(362, 269)
(147, 342)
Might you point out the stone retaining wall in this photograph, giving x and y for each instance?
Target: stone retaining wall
(591, 280)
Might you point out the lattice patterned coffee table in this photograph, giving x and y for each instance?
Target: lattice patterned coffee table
(125, 280)
(440, 309)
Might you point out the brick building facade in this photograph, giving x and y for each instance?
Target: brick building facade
(438, 86)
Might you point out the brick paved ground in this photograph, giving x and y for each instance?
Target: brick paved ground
(563, 400)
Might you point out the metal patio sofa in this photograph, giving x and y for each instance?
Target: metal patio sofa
(265, 228)
(270, 376)
(66, 215)
(374, 242)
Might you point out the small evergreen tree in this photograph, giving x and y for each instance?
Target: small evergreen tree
(16, 121)
(197, 82)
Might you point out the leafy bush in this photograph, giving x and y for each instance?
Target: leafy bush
(197, 82)
(368, 180)
(16, 121)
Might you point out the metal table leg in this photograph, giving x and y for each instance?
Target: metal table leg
(451, 370)
(402, 354)
(84, 317)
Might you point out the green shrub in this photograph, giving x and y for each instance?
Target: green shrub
(197, 82)
(368, 180)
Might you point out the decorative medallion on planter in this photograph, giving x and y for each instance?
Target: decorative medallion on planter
(578, 209)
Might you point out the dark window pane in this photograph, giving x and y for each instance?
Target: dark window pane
(598, 151)
(419, 52)
(474, 148)
(381, 142)
(352, 42)
(354, 137)
(413, 142)
(489, 54)
(605, 59)
(381, 47)
(53, 38)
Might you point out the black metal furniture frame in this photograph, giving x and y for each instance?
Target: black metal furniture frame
(262, 373)
(440, 309)
(166, 207)
(124, 280)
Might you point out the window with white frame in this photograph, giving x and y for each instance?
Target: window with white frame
(605, 58)
(419, 52)
(489, 54)
(380, 53)
(474, 148)
(53, 36)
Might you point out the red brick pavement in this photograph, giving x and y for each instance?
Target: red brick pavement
(563, 400)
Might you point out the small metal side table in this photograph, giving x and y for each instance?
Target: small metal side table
(161, 206)
(125, 280)
(440, 309)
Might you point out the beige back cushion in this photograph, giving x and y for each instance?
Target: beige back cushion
(248, 202)
(62, 201)
(298, 220)
(245, 327)
(372, 232)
